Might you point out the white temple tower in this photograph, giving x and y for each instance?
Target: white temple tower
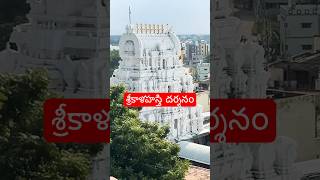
(151, 62)
(69, 39)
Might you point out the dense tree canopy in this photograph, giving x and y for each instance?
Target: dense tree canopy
(24, 154)
(114, 60)
(140, 150)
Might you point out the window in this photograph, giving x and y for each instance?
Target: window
(176, 123)
(129, 47)
(306, 47)
(285, 25)
(217, 5)
(164, 64)
(306, 25)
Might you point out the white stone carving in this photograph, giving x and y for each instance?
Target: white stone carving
(150, 63)
(66, 38)
(239, 72)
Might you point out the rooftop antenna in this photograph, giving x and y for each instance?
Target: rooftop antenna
(129, 15)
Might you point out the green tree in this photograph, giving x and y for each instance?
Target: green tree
(114, 60)
(24, 154)
(140, 150)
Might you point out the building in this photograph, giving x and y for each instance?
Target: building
(203, 71)
(244, 4)
(203, 48)
(300, 73)
(183, 55)
(196, 58)
(191, 50)
(150, 63)
(299, 25)
(196, 52)
(271, 8)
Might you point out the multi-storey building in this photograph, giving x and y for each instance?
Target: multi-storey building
(196, 52)
(191, 49)
(203, 71)
(299, 27)
(203, 47)
(271, 8)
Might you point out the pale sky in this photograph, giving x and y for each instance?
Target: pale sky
(186, 16)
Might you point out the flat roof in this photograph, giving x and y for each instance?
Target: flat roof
(304, 61)
(194, 152)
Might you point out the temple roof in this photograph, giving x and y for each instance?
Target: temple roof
(149, 28)
(141, 38)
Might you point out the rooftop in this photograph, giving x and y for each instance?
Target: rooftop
(194, 152)
(198, 173)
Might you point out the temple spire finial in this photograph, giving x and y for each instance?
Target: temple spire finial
(129, 15)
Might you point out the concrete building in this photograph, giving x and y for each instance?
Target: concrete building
(196, 52)
(183, 56)
(191, 50)
(196, 59)
(271, 8)
(299, 25)
(203, 71)
(298, 73)
(203, 48)
(150, 63)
